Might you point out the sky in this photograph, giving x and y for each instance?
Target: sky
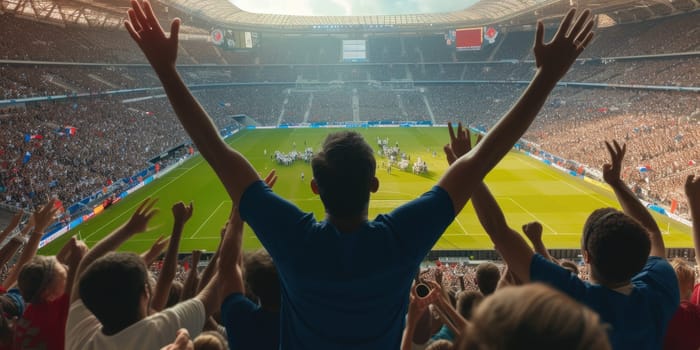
(351, 7)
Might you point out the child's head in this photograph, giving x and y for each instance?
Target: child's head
(43, 279)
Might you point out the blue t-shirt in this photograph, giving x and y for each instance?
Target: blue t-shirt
(444, 333)
(638, 320)
(345, 290)
(248, 326)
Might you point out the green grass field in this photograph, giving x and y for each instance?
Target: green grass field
(525, 188)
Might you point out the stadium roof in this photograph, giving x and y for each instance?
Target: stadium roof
(222, 11)
(481, 13)
(206, 13)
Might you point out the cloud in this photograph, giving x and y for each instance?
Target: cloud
(351, 7)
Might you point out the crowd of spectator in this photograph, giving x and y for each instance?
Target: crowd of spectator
(67, 150)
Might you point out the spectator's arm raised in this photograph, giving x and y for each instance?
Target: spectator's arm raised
(150, 256)
(629, 202)
(553, 59)
(42, 219)
(137, 223)
(533, 232)
(189, 289)
(234, 170)
(11, 227)
(181, 214)
(509, 243)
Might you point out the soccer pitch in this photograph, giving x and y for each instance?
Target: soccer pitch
(526, 189)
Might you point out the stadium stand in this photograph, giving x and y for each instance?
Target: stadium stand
(71, 96)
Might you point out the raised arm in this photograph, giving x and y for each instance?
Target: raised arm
(450, 316)
(181, 213)
(137, 223)
(533, 232)
(509, 243)
(10, 249)
(234, 170)
(42, 219)
(76, 252)
(150, 256)
(210, 270)
(692, 191)
(189, 288)
(629, 202)
(12, 226)
(223, 279)
(417, 312)
(553, 61)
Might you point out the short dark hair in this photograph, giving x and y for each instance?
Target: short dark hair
(618, 245)
(111, 288)
(487, 277)
(262, 279)
(343, 171)
(35, 277)
(467, 301)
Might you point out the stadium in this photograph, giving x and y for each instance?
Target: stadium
(86, 123)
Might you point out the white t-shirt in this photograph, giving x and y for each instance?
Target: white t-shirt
(84, 331)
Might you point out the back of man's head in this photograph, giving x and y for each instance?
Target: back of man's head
(261, 277)
(467, 301)
(617, 245)
(487, 277)
(344, 170)
(112, 288)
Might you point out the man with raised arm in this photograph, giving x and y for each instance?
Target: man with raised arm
(634, 292)
(111, 295)
(334, 294)
(683, 329)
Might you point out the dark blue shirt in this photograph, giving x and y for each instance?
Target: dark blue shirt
(345, 290)
(638, 320)
(248, 326)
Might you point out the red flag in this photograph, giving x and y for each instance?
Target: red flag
(674, 205)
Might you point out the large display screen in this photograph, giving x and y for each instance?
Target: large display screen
(354, 51)
(469, 39)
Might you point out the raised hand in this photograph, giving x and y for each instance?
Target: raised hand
(533, 231)
(692, 189)
(558, 55)
(460, 143)
(271, 178)
(139, 220)
(159, 245)
(611, 171)
(144, 28)
(181, 212)
(156, 249)
(78, 249)
(418, 305)
(44, 216)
